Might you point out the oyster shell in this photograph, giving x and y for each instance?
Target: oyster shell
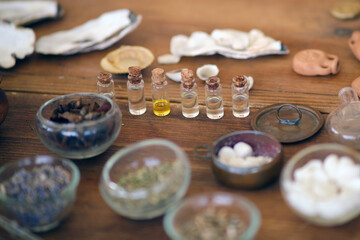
(206, 71)
(119, 60)
(15, 42)
(26, 12)
(251, 81)
(227, 42)
(175, 75)
(95, 34)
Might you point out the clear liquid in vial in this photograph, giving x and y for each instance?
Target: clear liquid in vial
(190, 106)
(136, 99)
(240, 105)
(214, 107)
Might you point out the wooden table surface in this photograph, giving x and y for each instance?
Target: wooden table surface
(298, 24)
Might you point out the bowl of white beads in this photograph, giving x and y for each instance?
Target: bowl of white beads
(321, 184)
(246, 159)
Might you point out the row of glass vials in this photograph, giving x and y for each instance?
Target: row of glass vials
(189, 93)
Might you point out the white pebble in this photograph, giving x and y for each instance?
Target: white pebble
(324, 190)
(226, 153)
(331, 163)
(243, 150)
(168, 59)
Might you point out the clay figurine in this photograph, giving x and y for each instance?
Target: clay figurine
(312, 62)
(354, 44)
(356, 85)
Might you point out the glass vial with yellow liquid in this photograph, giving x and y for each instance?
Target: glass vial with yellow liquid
(135, 90)
(161, 103)
(189, 95)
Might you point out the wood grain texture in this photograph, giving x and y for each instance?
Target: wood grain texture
(298, 24)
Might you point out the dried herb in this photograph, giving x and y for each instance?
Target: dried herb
(167, 177)
(76, 111)
(213, 224)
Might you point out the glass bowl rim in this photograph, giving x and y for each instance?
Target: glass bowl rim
(70, 188)
(255, 216)
(246, 170)
(180, 154)
(91, 123)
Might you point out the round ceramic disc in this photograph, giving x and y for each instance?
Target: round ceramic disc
(346, 10)
(267, 120)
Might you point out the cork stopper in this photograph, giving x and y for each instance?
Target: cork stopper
(239, 80)
(135, 74)
(187, 77)
(104, 77)
(158, 75)
(213, 82)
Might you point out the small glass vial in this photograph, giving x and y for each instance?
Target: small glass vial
(240, 96)
(161, 104)
(135, 90)
(189, 96)
(214, 98)
(105, 85)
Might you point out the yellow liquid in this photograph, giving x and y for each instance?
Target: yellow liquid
(161, 107)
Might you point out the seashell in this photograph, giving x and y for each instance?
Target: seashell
(26, 12)
(227, 42)
(251, 81)
(168, 59)
(175, 75)
(95, 34)
(15, 42)
(199, 43)
(119, 60)
(231, 38)
(206, 71)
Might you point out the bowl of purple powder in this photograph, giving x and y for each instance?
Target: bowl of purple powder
(38, 192)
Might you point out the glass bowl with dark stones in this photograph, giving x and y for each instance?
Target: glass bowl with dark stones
(39, 191)
(254, 177)
(78, 126)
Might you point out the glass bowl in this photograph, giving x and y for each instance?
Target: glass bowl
(78, 140)
(217, 215)
(143, 180)
(262, 144)
(38, 203)
(300, 159)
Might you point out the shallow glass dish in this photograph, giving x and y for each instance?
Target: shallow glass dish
(320, 152)
(188, 220)
(45, 213)
(78, 140)
(262, 144)
(143, 180)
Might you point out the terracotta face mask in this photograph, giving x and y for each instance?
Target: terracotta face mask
(354, 44)
(312, 62)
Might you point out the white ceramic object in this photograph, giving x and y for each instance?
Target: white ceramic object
(15, 42)
(206, 71)
(95, 34)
